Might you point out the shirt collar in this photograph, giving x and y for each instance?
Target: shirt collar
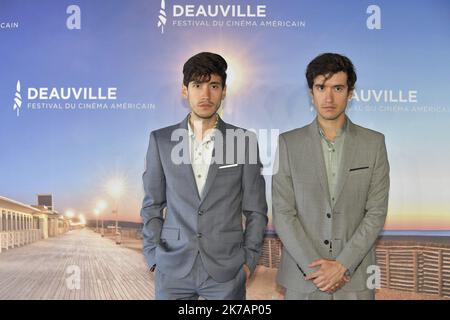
(339, 131)
(210, 133)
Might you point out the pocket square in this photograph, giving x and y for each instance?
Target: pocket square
(229, 166)
(359, 168)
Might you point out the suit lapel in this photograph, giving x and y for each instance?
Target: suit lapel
(348, 153)
(319, 161)
(214, 166)
(186, 168)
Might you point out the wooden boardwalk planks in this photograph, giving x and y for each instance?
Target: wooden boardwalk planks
(107, 271)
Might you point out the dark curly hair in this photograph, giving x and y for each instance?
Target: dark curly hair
(202, 65)
(327, 64)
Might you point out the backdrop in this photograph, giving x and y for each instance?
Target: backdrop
(82, 84)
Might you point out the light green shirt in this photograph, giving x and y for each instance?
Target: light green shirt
(332, 153)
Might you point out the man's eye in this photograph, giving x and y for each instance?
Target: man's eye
(196, 85)
(338, 89)
(320, 88)
(215, 86)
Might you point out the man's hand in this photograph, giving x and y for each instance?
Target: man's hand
(330, 277)
(339, 285)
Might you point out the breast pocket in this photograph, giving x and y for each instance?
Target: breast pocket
(359, 178)
(359, 169)
(229, 170)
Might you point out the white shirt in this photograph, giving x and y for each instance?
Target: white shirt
(201, 156)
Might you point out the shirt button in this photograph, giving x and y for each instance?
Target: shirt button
(328, 215)
(199, 176)
(199, 235)
(326, 242)
(332, 198)
(200, 212)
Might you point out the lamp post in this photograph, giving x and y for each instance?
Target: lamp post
(70, 214)
(101, 205)
(96, 212)
(115, 189)
(82, 220)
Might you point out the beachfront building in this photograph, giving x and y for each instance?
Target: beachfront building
(54, 223)
(21, 224)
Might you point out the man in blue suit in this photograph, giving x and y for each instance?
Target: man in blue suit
(202, 178)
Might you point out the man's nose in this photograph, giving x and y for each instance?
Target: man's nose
(329, 94)
(206, 93)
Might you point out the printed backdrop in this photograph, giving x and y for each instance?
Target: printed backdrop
(82, 84)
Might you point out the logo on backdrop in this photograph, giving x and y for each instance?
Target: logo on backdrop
(389, 100)
(72, 98)
(9, 25)
(221, 16)
(162, 19)
(392, 100)
(17, 99)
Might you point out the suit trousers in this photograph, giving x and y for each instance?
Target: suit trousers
(198, 283)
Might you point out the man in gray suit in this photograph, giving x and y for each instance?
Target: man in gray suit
(330, 194)
(202, 177)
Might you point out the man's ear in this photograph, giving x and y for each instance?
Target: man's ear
(224, 92)
(311, 93)
(184, 91)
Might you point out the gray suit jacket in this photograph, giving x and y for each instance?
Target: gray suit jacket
(211, 223)
(307, 224)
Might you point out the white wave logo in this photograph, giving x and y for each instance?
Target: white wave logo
(17, 99)
(162, 19)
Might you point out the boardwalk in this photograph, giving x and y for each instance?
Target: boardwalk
(107, 271)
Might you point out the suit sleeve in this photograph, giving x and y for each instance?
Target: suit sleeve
(375, 214)
(254, 204)
(285, 216)
(154, 200)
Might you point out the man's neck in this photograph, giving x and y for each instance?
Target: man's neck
(200, 126)
(330, 127)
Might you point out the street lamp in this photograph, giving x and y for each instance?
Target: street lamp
(101, 205)
(115, 189)
(81, 219)
(70, 214)
(96, 212)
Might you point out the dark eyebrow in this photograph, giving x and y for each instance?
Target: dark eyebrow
(335, 86)
(200, 82)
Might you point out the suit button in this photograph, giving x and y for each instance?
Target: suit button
(201, 212)
(326, 242)
(328, 215)
(199, 235)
